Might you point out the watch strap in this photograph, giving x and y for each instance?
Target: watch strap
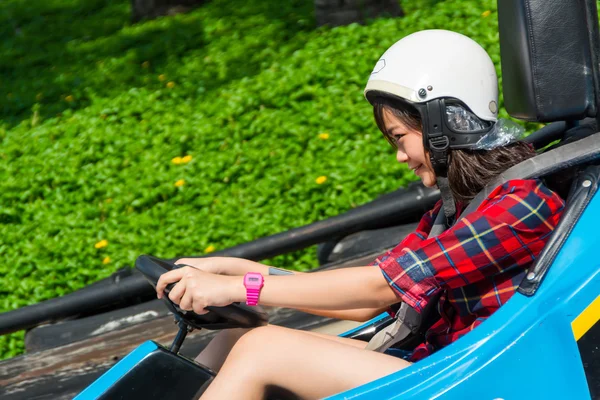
(252, 296)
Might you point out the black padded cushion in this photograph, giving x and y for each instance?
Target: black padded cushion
(546, 59)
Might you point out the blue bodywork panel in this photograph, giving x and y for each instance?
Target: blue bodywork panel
(526, 350)
(121, 368)
(369, 322)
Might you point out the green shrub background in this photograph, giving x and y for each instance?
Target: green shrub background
(94, 109)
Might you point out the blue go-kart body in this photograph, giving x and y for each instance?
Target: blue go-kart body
(533, 347)
(544, 342)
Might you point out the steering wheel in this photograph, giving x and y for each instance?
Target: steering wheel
(235, 315)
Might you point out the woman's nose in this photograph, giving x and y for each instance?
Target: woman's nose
(401, 156)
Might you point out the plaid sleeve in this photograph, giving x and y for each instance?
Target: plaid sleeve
(507, 231)
(420, 234)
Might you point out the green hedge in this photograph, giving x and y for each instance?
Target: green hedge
(96, 112)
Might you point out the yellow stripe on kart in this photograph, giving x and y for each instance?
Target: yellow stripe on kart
(586, 319)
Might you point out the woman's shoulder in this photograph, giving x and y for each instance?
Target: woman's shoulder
(528, 193)
(522, 188)
(516, 195)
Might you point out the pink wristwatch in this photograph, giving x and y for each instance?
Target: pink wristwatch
(253, 281)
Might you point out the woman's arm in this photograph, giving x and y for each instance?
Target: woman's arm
(233, 266)
(341, 289)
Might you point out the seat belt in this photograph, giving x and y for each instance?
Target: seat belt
(408, 321)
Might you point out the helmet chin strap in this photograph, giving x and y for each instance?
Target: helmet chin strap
(447, 198)
(438, 145)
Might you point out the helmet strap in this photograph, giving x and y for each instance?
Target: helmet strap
(447, 198)
(438, 144)
(434, 139)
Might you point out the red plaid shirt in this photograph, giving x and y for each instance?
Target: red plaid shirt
(478, 263)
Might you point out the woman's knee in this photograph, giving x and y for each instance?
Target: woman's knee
(254, 339)
(258, 344)
(261, 341)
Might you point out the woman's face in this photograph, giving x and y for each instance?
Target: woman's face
(410, 148)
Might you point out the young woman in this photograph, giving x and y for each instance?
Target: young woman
(434, 96)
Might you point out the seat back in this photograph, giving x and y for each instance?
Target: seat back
(549, 56)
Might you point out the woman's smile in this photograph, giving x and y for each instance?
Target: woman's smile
(416, 169)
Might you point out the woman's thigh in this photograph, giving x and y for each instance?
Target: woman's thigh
(308, 364)
(215, 353)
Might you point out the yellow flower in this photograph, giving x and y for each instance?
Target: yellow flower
(486, 14)
(180, 183)
(108, 201)
(145, 64)
(176, 160)
(69, 98)
(171, 85)
(162, 77)
(101, 244)
(320, 180)
(324, 136)
(106, 260)
(209, 249)
(186, 159)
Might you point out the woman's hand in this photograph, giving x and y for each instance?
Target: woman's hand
(195, 289)
(225, 265)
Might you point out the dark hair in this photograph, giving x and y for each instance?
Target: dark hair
(469, 171)
(402, 110)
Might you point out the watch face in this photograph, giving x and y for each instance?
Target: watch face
(253, 280)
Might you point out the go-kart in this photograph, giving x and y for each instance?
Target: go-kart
(543, 343)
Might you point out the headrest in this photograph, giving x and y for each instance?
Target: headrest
(547, 49)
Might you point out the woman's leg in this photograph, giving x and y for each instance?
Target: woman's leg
(215, 353)
(308, 365)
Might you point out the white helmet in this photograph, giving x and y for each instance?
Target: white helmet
(451, 81)
(435, 64)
